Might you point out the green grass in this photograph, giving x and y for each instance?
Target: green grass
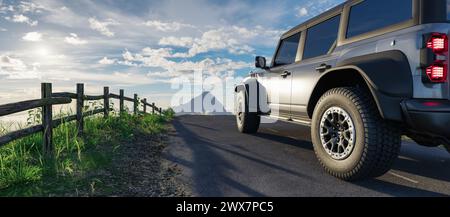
(24, 171)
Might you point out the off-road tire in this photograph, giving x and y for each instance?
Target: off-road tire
(377, 142)
(247, 122)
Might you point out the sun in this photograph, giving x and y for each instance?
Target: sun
(42, 51)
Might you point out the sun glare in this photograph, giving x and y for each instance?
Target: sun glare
(43, 51)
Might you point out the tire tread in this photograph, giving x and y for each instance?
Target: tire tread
(382, 138)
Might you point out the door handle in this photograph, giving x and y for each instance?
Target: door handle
(286, 74)
(323, 67)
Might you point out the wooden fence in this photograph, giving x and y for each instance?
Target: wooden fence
(49, 99)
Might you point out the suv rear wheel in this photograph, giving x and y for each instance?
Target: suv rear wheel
(247, 122)
(350, 138)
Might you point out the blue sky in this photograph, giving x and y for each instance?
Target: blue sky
(139, 45)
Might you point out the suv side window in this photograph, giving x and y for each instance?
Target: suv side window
(288, 50)
(448, 10)
(321, 37)
(371, 15)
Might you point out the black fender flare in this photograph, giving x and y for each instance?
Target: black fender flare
(240, 87)
(250, 106)
(388, 76)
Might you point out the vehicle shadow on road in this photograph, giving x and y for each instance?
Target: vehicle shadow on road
(428, 162)
(198, 125)
(412, 162)
(286, 140)
(396, 190)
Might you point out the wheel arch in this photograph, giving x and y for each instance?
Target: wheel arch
(251, 88)
(387, 75)
(256, 95)
(338, 77)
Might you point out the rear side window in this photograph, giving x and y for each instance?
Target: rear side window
(448, 10)
(371, 15)
(320, 38)
(288, 50)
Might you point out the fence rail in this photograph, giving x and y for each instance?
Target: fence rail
(65, 94)
(49, 99)
(31, 104)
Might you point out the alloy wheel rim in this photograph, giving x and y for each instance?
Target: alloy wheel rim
(337, 133)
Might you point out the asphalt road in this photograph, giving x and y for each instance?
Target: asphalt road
(216, 160)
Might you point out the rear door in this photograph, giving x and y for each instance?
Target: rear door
(319, 43)
(278, 79)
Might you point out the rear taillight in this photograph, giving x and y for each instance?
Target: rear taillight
(434, 58)
(438, 43)
(437, 72)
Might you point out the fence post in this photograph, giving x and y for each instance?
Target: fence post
(47, 116)
(80, 105)
(122, 105)
(106, 101)
(145, 105)
(153, 108)
(135, 104)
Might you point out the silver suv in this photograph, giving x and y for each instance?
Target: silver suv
(361, 75)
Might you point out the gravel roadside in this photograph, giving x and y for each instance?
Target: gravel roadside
(138, 170)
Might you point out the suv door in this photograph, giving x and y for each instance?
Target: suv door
(319, 42)
(278, 79)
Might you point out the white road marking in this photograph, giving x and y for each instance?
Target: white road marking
(272, 130)
(403, 177)
(407, 158)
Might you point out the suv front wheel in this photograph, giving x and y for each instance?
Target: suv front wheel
(350, 138)
(247, 122)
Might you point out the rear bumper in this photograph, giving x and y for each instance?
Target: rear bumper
(429, 117)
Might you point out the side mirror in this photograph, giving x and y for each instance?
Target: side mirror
(260, 62)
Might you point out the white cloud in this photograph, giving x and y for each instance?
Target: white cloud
(234, 39)
(127, 56)
(166, 27)
(3, 30)
(176, 42)
(119, 78)
(158, 58)
(102, 26)
(33, 37)
(302, 12)
(20, 18)
(57, 13)
(74, 40)
(106, 61)
(217, 40)
(162, 52)
(15, 68)
(10, 63)
(22, 7)
(30, 7)
(313, 8)
(6, 8)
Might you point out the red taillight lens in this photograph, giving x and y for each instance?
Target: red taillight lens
(437, 72)
(438, 43)
(434, 58)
